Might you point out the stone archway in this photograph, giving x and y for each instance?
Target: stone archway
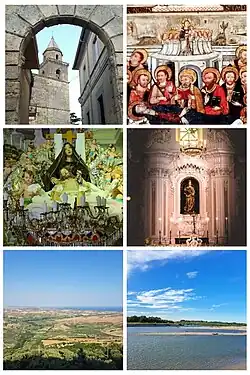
(23, 22)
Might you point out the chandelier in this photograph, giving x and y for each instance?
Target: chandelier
(192, 150)
(192, 142)
(63, 226)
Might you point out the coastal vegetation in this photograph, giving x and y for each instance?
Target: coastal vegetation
(153, 320)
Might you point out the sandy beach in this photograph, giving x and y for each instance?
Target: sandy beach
(233, 328)
(236, 366)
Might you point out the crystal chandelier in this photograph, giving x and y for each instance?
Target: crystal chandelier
(63, 226)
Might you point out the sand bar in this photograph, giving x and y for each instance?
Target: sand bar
(191, 334)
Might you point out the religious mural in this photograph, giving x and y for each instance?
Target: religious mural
(62, 186)
(187, 65)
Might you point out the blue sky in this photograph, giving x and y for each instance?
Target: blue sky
(67, 38)
(191, 284)
(91, 278)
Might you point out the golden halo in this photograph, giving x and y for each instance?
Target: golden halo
(211, 70)
(185, 20)
(188, 72)
(143, 52)
(131, 115)
(245, 99)
(140, 72)
(243, 70)
(165, 68)
(129, 78)
(228, 69)
(239, 49)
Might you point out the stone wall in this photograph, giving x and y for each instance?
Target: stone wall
(25, 85)
(51, 97)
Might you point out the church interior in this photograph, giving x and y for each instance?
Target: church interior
(63, 187)
(187, 187)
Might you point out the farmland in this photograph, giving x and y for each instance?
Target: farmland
(62, 339)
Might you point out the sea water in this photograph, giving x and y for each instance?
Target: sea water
(183, 352)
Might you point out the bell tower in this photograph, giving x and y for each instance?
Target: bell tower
(50, 93)
(52, 65)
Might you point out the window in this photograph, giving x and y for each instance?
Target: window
(56, 57)
(95, 50)
(43, 72)
(84, 76)
(58, 73)
(88, 117)
(101, 110)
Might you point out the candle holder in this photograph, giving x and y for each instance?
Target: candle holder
(63, 226)
(159, 237)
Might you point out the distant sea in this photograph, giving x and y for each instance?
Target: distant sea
(113, 309)
(184, 352)
(83, 308)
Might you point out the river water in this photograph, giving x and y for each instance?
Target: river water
(184, 352)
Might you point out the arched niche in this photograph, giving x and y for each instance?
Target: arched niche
(189, 196)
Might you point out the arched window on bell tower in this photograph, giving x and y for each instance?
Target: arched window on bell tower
(58, 73)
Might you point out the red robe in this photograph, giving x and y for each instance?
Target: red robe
(164, 91)
(138, 96)
(219, 91)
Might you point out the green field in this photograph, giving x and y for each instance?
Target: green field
(57, 339)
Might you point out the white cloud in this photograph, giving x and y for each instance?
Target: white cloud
(192, 275)
(214, 307)
(143, 260)
(165, 298)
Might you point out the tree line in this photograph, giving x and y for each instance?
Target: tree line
(183, 322)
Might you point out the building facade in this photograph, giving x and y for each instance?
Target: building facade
(97, 81)
(50, 93)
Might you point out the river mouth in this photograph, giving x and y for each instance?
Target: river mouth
(168, 348)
